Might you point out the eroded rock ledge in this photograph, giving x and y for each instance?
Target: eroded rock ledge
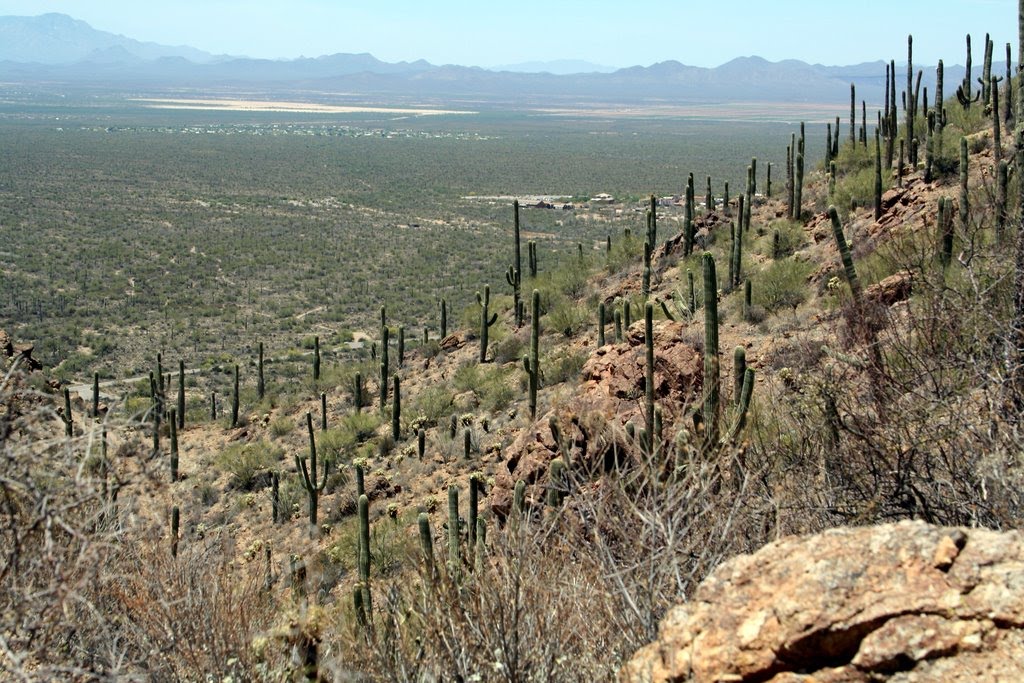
(897, 602)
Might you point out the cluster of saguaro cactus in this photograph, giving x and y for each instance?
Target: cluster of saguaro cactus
(711, 360)
(531, 363)
(486, 321)
(796, 174)
(312, 480)
(964, 90)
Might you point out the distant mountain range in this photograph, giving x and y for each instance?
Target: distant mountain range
(58, 49)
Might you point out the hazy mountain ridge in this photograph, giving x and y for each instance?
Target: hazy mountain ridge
(57, 48)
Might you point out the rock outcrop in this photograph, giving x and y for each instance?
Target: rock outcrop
(897, 602)
(611, 394)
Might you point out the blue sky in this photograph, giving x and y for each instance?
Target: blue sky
(619, 33)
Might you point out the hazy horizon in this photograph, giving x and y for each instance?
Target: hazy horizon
(599, 32)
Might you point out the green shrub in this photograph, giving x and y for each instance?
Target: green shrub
(432, 403)
(280, 426)
(352, 430)
(569, 317)
(783, 283)
(562, 366)
(246, 461)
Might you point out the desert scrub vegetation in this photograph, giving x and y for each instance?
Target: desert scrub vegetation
(250, 464)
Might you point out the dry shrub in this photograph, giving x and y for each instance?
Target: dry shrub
(564, 594)
(190, 614)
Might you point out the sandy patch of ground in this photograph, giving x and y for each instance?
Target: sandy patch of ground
(284, 107)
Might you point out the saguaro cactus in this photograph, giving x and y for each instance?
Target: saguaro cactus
(261, 387)
(878, 175)
(965, 206)
(69, 427)
(396, 409)
(357, 391)
(234, 401)
(711, 359)
(739, 368)
(364, 552)
(945, 221)
(486, 321)
(531, 363)
(444, 318)
(384, 366)
(649, 376)
(95, 394)
(175, 523)
(454, 560)
(556, 483)
(844, 253)
(309, 475)
(514, 275)
(174, 446)
(426, 544)
(316, 359)
(401, 346)
(600, 324)
(1002, 176)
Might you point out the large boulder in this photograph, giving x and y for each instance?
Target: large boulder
(897, 602)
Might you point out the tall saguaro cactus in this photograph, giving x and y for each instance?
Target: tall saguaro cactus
(486, 322)
(711, 359)
(261, 387)
(234, 401)
(649, 378)
(1018, 278)
(313, 483)
(514, 274)
(531, 363)
(364, 552)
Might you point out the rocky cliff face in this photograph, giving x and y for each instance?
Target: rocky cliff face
(898, 602)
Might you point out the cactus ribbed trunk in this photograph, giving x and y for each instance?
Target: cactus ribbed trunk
(649, 376)
(711, 359)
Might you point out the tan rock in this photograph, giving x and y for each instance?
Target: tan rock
(901, 602)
